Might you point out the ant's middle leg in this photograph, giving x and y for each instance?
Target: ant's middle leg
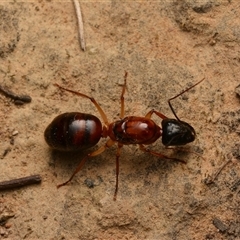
(117, 169)
(144, 149)
(100, 150)
(124, 86)
(102, 113)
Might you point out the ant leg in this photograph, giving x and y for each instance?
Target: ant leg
(122, 95)
(100, 150)
(144, 149)
(150, 113)
(103, 115)
(169, 100)
(117, 169)
(186, 150)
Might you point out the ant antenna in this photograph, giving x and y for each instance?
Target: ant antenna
(169, 103)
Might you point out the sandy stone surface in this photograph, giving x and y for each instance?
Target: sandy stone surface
(165, 46)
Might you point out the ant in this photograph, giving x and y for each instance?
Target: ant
(77, 131)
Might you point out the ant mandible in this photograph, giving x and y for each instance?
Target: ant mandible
(77, 131)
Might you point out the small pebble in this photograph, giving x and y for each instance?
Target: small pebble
(15, 133)
(8, 225)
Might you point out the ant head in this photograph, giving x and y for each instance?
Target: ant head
(177, 132)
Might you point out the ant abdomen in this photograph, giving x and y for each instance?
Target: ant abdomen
(73, 131)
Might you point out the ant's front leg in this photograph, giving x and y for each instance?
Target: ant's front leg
(144, 149)
(150, 113)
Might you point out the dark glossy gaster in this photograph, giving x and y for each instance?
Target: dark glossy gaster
(73, 131)
(77, 131)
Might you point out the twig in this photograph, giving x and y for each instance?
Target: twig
(80, 24)
(20, 182)
(211, 179)
(220, 169)
(18, 99)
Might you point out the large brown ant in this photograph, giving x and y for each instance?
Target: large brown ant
(77, 131)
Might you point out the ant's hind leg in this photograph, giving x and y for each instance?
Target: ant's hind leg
(100, 150)
(144, 149)
(102, 113)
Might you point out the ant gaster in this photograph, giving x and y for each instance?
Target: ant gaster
(77, 131)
